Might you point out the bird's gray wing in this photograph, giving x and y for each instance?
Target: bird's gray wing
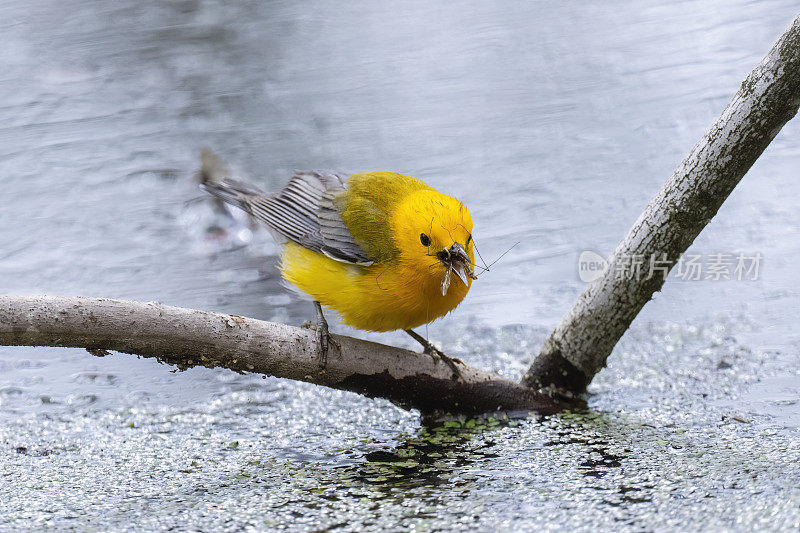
(304, 211)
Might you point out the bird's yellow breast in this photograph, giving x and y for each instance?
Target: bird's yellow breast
(379, 297)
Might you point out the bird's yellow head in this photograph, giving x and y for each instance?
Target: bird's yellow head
(433, 233)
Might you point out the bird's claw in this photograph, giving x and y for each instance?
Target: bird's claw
(452, 362)
(323, 339)
(432, 350)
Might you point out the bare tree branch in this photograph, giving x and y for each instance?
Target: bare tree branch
(578, 348)
(187, 338)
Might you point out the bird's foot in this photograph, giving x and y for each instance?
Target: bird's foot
(323, 340)
(452, 362)
(435, 353)
(323, 337)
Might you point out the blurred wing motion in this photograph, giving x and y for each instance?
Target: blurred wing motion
(303, 212)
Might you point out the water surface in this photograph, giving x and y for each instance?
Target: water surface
(554, 123)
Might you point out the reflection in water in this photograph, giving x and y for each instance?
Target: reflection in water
(430, 458)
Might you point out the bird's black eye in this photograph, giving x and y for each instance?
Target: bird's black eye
(469, 239)
(424, 239)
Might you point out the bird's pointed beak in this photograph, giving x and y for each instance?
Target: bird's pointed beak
(457, 261)
(458, 268)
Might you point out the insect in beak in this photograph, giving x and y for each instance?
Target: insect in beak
(456, 260)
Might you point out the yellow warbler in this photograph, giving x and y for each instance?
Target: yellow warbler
(380, 248)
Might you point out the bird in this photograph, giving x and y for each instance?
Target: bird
(379, 248)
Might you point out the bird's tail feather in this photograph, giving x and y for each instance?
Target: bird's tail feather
(215, 178)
